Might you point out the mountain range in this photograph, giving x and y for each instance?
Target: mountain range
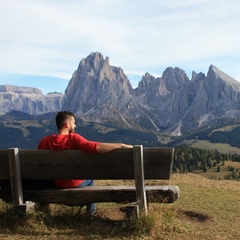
(171, 105)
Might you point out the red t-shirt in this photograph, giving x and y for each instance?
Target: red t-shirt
(57, 142)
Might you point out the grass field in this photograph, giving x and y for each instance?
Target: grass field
(221, 147)
(224, 170)
(207, 209)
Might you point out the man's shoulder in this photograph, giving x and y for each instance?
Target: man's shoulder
(46, 137)
(43, 141)
(74, 134)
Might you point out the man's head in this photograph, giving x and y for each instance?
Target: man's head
(65, 121)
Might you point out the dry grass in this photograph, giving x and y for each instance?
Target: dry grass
(224, 170)
(207, 209)
(221, 147)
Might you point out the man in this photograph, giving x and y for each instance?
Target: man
(67, 139)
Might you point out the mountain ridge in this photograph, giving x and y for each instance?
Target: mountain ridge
(172, 104)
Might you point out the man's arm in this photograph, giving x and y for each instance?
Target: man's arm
(108, 147)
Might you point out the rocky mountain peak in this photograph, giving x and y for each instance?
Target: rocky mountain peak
(96, 84)
(146, 82)
(92, 62)
(174, 78)
(216, 74)
(174, 73)
(100, 92)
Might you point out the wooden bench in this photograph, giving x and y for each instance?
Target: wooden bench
(138, 164)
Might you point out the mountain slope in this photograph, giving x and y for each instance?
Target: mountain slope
(102, 93)
(172, 104)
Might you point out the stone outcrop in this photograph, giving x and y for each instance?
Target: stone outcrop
(28, 100)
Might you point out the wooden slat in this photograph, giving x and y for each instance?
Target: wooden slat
(52, 165)
(158, 162)
(15, 176)
(139, 179)
(118, 164)
(118, 194)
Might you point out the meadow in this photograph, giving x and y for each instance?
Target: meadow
(224, 170)
(221, 147)
(207, 209)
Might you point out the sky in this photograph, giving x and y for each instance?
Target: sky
(43, 41)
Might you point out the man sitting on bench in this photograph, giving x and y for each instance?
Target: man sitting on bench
(67, 139)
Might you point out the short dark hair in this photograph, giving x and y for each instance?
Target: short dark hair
(62, 117)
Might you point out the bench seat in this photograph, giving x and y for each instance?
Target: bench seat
(118, 194)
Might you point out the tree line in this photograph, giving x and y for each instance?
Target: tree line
(188, 159)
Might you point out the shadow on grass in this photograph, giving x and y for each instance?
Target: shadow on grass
(70, 223)
(193, 215)
(65, 222)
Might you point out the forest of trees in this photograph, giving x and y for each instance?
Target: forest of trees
(188, 159)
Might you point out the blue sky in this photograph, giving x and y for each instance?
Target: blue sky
(43, 41)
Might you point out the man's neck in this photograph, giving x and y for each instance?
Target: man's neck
(63, 132)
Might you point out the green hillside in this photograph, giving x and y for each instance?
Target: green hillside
(25, 131)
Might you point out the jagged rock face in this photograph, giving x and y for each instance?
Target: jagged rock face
(179, 104)
(28, 100)
(166, 97)
(100, 92)
(173, 102)
(223, 92)
(214, 96)
(96, 84)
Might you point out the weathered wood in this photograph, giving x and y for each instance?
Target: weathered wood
(136, 164)
(118, 194)
(15, 176)
(4, 166)
(5, 188)
(158, 162)
(139, 179)
(118, 164)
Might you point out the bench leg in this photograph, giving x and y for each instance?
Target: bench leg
(25, 208)
(141, 197)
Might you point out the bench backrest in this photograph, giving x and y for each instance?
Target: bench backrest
(75, 164)
(138, 163)
(4, 165)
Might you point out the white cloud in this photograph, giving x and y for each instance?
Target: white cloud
(50, 37)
